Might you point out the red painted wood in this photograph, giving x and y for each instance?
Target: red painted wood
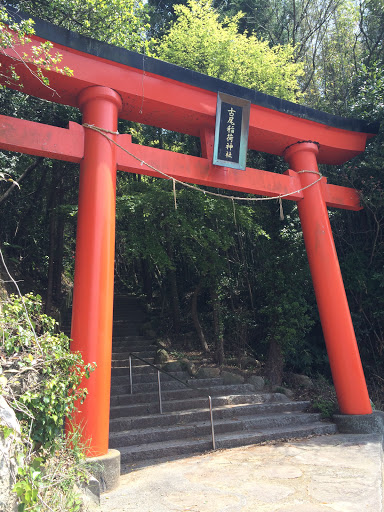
(335, 316)
(92, 312)
(41, 139)
(68, 144)
(159, 101)
(201, 172)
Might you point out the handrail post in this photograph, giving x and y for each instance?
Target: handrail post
(212, 427)
(130, 374)
(159, 384)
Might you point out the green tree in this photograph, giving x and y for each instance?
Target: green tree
(12, 35)
(118, 22)
(40, 225)
(371, 25)
(199, 40)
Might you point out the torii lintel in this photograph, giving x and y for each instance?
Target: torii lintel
(68, 144)
(167, 96)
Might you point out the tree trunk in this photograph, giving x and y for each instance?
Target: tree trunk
(275, 364)
(217, 327)
(172, 279)
(195, 318)
(23, 226)
(52, 243)
(58, 262)
(59, 252)
(147, 279)
(29, 169)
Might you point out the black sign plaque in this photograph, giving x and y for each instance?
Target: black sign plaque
(231, 133)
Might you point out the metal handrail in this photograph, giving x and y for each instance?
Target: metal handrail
(131, 354)
(160, 370)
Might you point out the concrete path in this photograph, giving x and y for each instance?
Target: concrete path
(330, 473)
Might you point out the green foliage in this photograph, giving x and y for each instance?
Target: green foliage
(326, 407)
(42, 385)
(285, 299)
(27, 486)
(119, 22)
(368, 103)
(199, 40)
(8, 39)
(338, 60)
(371, 23)
(48, 478)
(46, 374)
(14, 36)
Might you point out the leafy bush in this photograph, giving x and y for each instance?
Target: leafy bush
(326, 407)
(48, 479)
(44, 374)
(40, 379)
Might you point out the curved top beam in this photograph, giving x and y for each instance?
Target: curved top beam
(168, 96)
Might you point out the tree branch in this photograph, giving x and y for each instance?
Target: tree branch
(29, 169)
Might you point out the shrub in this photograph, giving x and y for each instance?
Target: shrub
(40, 381)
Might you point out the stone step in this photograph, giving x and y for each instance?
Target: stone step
(122, 348)
(158, 434)
(139, 409)
(133, 347)
(166, 384)
(175, 448)
(241, 416)
(246, 424)
(191, 416)
(132, 330)
(273, 434)
(138, 338)
(124, 356)
(126, 348)
(183, 393)
(127, 304)
(140, 369)
(137, 363)
(146, 377)
(136, 314)
(124, 363)
(128, 318)
(124, 325)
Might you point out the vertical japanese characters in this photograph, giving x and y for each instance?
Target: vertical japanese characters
(230, 132)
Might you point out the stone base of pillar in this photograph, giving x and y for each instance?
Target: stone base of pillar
(360, 423)
(106, 469)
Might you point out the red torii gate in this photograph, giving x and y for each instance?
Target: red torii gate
(111, 82)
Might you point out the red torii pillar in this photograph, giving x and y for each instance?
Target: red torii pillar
(92, 316)
(339, 335)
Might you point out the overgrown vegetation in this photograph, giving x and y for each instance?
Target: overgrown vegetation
(13, 38)
(217, 48)
(39, 380)
(236, 275)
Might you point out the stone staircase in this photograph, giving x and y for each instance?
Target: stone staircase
(241, 415)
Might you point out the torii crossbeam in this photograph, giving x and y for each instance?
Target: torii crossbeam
(109, 83)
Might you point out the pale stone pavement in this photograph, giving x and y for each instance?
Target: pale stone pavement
(329, 473)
